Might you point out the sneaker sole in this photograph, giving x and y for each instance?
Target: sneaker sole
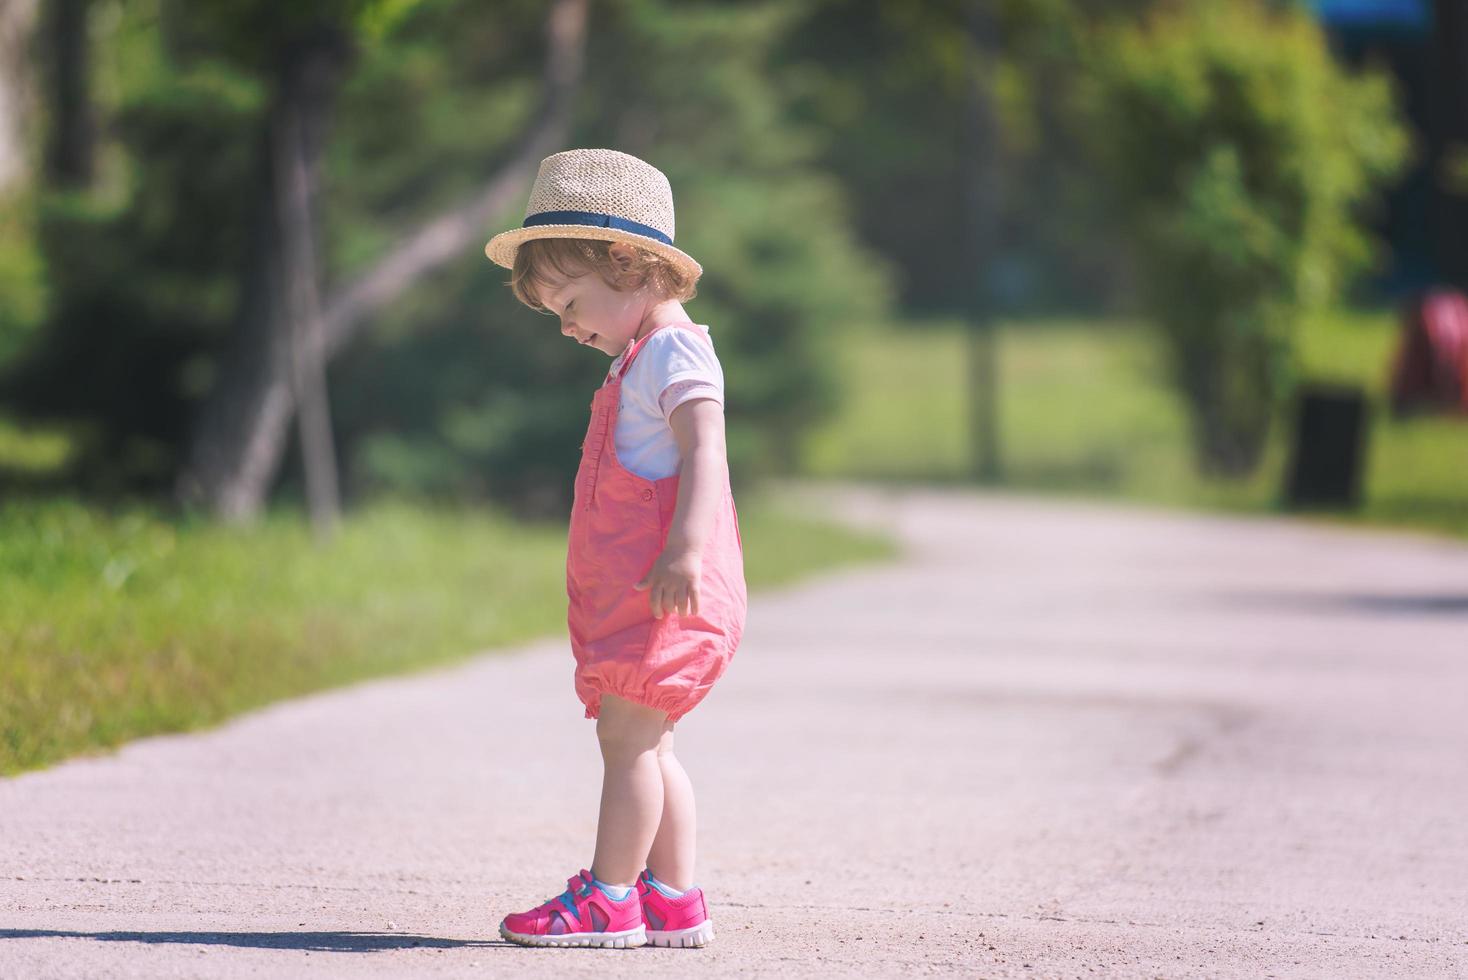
(699, 935)
(629, 939)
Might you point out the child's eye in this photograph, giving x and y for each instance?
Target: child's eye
(570, 304)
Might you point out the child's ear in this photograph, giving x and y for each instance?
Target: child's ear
(622, 256)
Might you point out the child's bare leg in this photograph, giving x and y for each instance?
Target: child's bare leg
(631, 789)
(671, 857)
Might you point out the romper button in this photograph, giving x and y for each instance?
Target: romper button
(647, 495)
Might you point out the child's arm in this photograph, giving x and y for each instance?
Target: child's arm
(672, 583)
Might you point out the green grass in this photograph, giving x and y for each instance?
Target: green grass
(117, 624)
(40, 450)
(1084, 411)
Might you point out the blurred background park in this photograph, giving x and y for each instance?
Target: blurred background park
(270, 421)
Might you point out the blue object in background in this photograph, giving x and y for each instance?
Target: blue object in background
(1408, 15)
(1398, 34)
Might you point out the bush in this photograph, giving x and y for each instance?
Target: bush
(1237, 154)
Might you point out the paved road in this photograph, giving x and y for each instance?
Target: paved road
(1057, 740)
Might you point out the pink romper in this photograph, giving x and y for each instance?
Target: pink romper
(619, 525)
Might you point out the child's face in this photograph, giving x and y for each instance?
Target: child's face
(594, 313)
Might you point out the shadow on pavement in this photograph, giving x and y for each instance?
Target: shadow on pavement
(1445, 604)
(332, 942)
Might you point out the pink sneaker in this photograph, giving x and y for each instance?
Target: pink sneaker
(682, 921)
(582, 915)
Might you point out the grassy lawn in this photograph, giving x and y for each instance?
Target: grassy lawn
(1085, 411)
(119, 624)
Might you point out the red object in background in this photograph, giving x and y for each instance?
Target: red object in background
(1430, 370)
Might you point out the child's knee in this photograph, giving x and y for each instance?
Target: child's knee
(624, 728)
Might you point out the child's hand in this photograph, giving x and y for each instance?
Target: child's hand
(672, 583)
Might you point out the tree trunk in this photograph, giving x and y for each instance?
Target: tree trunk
(296, 138)
(70, 140)
(1228, 398)
(240, 435)
(17, 20)
(979, 160)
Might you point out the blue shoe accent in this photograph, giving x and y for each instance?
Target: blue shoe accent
(667, 890)
(612, 891)
(568, 901)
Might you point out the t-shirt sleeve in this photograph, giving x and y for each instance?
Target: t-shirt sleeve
(679, 367)
(681, 391)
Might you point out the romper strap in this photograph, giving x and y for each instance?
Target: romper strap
(637, 346)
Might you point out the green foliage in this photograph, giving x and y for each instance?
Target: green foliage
(784, 274)
(787, 288)
(1238, 155)
(461, 391)
(882, 88)
(875, 87)
(23, 284)
(142, 274)
(455, 390)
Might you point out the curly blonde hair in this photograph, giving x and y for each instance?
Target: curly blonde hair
(574, 257)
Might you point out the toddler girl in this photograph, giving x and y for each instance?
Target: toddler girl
(654, 561)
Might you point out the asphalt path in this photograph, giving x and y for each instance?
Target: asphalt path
(1054, 739)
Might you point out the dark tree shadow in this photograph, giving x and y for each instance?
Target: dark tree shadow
(330, 942)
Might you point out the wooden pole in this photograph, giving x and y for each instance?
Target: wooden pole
(979, 160)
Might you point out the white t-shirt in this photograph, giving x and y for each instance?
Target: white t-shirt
(672, 367)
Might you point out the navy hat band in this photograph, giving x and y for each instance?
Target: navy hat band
(595, 220)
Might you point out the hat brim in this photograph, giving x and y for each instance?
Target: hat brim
(501, 248)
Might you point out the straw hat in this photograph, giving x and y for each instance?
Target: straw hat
(605, 195)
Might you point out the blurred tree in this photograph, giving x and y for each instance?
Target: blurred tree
(881, 84)
(786, 275)
(944, 119)
(298, 125)
(173, 289)
(136, 260)
(70, 141)
(982, 161)
(240, 438)
(1449, 135)
(437, 402)
(1236, 152)
(16, 24)
(22, 279)
(164, 340)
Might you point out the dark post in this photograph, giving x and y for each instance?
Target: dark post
(1325, 463)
